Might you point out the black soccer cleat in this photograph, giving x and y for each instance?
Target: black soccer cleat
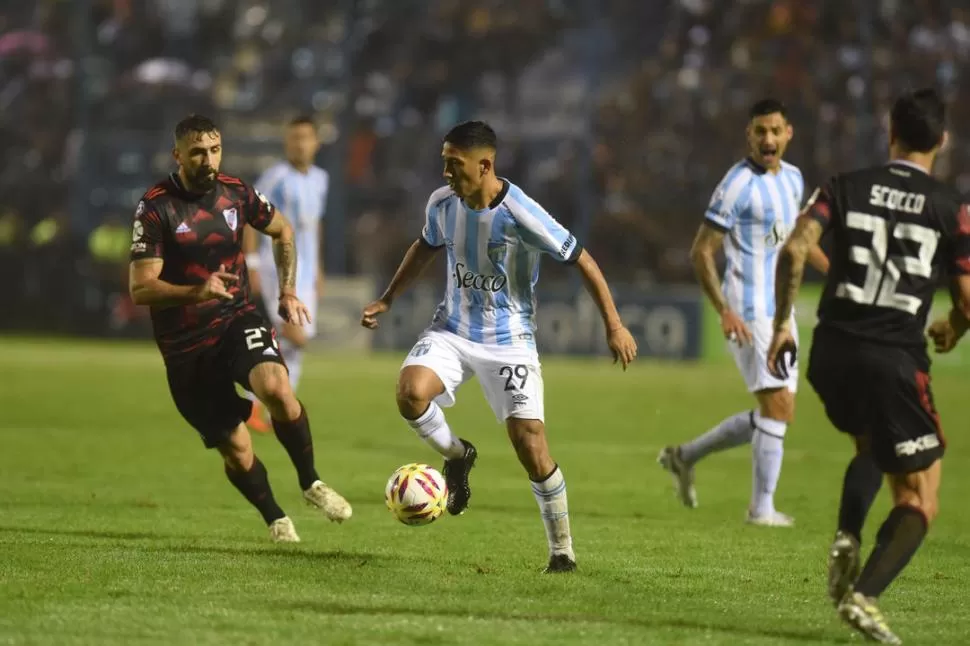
(560, 563)
(456, 477)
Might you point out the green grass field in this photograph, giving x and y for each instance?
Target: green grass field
(116, 527)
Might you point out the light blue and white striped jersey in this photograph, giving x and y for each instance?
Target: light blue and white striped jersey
(757, 211)
(302, 197)
(493, 263)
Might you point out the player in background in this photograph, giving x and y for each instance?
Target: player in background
(493, 235)
(896, 230)
(187, 265)
(299, 188)
(750, 215)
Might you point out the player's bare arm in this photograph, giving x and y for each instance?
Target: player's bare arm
(416, 260)
(292, 309)
(320, 277)
(621, 342)
(703, 255)
(250, 244)
(788, 279)
(947, 332)
(818, 260)
(791, 267)
(147, 288)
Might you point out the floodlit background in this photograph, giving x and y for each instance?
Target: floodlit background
(620, 116)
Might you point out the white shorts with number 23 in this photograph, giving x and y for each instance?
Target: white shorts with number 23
(510, 376)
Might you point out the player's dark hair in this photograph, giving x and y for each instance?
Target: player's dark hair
(472, 134)
(194, 124)
(303, 120)
(918, 120)
(764, 107)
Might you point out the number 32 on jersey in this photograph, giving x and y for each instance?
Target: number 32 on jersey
(883, 273)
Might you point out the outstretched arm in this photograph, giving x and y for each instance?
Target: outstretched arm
(621, 342)
(416, 260)
(600, 291)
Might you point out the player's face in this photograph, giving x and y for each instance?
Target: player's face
(301, 144)
(464, 169)
(199, 154)
(768, 137)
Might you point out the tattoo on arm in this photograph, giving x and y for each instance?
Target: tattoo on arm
(791, 267)
(706, 244)
(284, 252)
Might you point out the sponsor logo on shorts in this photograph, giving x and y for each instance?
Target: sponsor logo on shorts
(920, 444)
(519, 399)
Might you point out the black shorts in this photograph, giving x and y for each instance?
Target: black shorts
(882, 392)
(203, 384)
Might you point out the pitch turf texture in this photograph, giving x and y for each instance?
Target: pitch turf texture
(116, 527)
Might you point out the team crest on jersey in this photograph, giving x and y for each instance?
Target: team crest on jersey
(232, 217)
(496, 252)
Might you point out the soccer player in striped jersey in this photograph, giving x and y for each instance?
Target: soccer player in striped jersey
(299, 188)
(493, 235)
(750, 214)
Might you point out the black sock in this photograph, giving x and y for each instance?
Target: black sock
(254, 486)
(295, 438)
(896, 543)
(859, 488)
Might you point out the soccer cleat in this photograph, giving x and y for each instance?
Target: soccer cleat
(682, 473)
(328, 501)
(774, 519)
(861, 613)
(843, 566)
(282, 530)
(456, 477)
(256, 421)
(560, 563)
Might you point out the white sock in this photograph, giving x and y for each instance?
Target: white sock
(767, 448)
(551, 496)
(733, 431)
(433, 429)
(293, 356)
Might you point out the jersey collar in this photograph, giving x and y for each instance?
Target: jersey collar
(908, 164)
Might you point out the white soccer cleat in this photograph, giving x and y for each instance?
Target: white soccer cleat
(774, 519)
(328, 501)
(282, 530)
(682, 473)
(843, 566)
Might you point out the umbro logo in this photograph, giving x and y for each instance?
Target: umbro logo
(182, 228)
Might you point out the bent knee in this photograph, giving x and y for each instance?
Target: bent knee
(273, 387)
(777, 405)
(416, 388)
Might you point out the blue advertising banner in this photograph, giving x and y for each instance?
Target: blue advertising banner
(665, 322)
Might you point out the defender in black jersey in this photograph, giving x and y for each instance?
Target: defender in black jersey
(187, 265)
(896, 232)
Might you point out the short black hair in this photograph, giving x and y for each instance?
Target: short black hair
(472, 134)
(768, 106)
(194, 124)
(918, 120)
(303, 120)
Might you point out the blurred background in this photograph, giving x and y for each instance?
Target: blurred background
(620, 116)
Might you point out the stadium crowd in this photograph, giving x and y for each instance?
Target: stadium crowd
(619, 115)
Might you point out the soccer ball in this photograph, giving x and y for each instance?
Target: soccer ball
(416, 494)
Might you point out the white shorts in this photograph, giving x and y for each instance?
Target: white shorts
(271, 298)
(752, 358)
(510, 376)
